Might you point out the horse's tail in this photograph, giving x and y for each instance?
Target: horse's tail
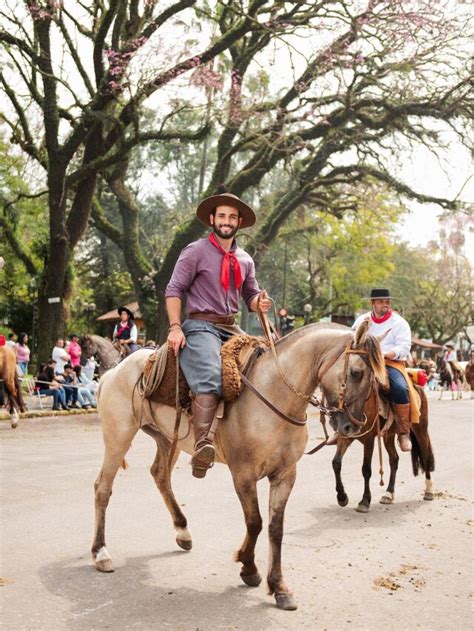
(422, 456)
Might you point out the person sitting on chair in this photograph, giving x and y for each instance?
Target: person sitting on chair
(125, 332)
(213, 273)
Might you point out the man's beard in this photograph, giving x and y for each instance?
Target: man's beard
(225, 235)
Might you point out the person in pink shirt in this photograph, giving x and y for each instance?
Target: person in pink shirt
(22, 353)
(74, 350)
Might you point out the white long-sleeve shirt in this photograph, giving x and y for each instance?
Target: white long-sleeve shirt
(450, 356)
(398, 338)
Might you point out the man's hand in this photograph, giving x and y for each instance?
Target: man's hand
(176, 339)
(262, 302)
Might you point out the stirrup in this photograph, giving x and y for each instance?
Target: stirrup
(202, 460)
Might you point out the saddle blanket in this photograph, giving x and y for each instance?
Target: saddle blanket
(237, 355)
(415, 400)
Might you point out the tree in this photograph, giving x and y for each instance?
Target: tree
(330, 260)
(435, 284)
(77, 114)
(383, 76)
(386, 77)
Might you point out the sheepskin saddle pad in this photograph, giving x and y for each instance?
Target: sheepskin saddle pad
(237, 354)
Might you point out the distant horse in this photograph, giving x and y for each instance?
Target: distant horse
(11, 384)
(263, 433)
(421, 454)
(469, 374)
(450, 377)
(107, 353)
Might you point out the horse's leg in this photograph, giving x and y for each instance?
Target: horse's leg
(342, 446)
(423, 456)
(393, 458)
(280, 489)
(440, 391)
(247, 491)
(161, 474)
(113, 459)
(364, 504)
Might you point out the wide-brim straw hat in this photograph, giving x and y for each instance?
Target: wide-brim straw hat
(380, 294)
(209, 204)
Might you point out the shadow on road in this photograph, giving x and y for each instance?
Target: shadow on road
(132, 597)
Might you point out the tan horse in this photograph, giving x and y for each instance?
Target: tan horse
(254, 441)
(105, 350)
(9, 377)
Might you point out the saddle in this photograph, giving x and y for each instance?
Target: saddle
(238, 355)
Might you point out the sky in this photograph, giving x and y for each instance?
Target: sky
(425, 174)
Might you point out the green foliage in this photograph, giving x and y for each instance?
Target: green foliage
(332, 262)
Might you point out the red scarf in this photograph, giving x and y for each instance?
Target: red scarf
(228, 260)
(383, 318)
(123, 327)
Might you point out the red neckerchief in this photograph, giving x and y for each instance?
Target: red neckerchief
(228, 260)
(122, 328)
(383, 318)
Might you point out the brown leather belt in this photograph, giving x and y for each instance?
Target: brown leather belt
(215, 318)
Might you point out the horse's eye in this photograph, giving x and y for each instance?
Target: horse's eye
(357, 373)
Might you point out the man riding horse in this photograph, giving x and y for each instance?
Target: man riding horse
(213, 274)
(396, 349)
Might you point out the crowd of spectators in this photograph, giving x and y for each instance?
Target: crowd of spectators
(62, 377)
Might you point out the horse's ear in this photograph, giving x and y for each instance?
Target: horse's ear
(361, 333)
(382, 336)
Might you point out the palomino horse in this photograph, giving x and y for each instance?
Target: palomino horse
(253, 440)
(450, 377)
(107, 353)
(422, 455)
(11, 383)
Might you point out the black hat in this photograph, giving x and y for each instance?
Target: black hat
(127, 310)
(71, 335)
(380, 294)
(209, 204)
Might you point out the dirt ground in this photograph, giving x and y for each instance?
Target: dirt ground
(405, 566)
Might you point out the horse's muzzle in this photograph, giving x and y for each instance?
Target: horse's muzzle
(343, 424)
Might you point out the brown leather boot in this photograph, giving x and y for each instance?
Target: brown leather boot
(204, 409)
(402, 425)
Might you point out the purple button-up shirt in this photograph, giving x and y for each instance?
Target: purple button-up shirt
(197, 275)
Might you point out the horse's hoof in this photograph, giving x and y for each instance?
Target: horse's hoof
(344, 501)
(387, 498)
(184, 544)
(285, 601)
(105, 565)
(103, 561)
(183, 538)
(14, 424)
(362, 508)
(252, 580)
(428, 496)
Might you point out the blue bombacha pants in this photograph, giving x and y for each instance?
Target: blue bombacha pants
(398, 386)
(200, 359)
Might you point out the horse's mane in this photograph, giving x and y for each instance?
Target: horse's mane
(362, 338)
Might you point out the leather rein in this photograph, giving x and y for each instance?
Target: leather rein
(270, 334)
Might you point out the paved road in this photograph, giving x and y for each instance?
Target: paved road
(406, 566)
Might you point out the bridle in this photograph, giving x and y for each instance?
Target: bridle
(324, 410)
(105, 365)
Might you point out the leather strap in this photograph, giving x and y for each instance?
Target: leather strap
(215, 318)
(281, 414)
